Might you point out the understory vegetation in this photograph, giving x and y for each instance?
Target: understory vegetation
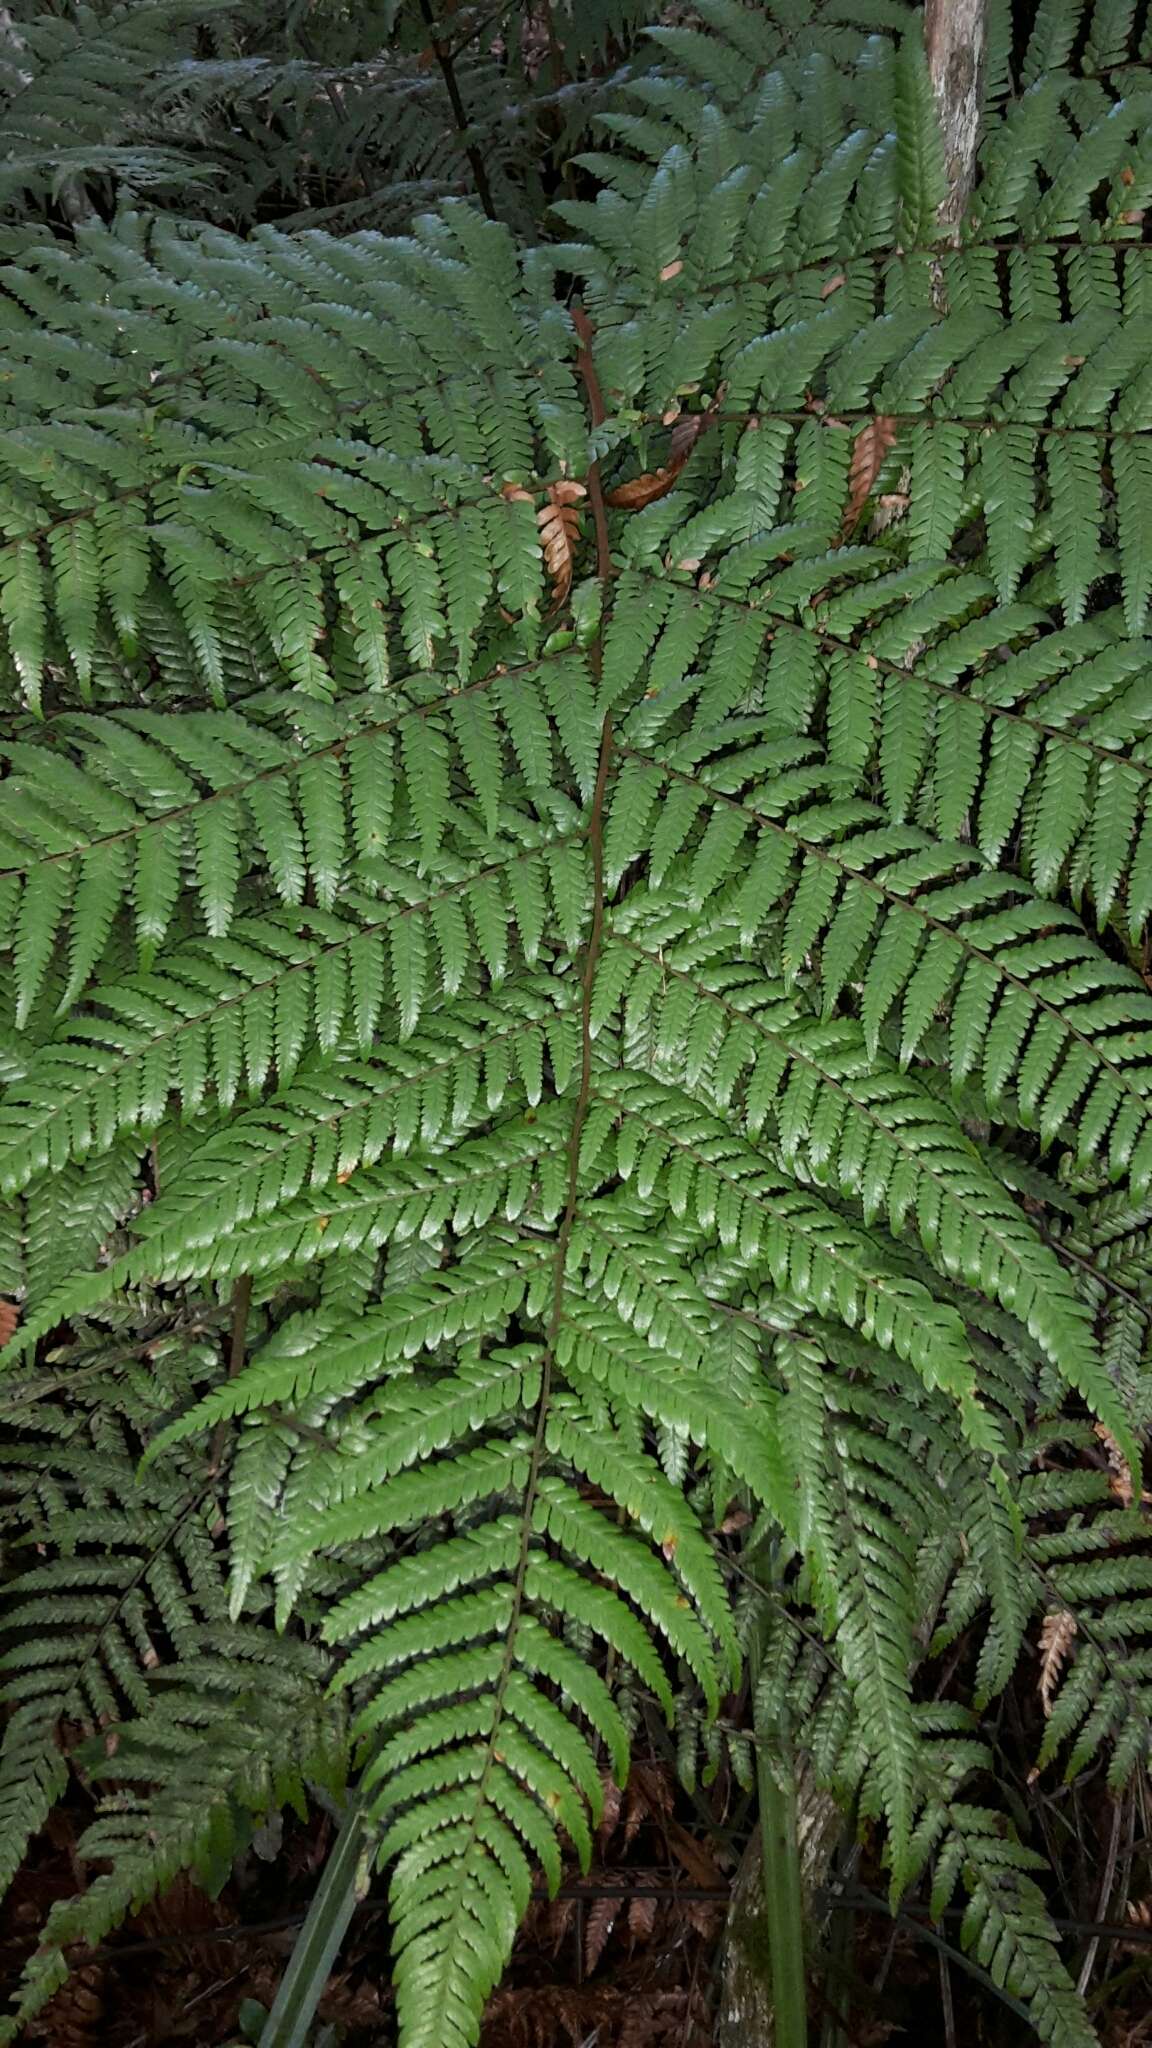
(575, 861)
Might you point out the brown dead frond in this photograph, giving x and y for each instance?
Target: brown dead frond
(601, 1918)
(1057, 1633)
(656, 483)
(649, 1797)
(559, 523)
(613, 1808)
(1119, 1470)
(641, 1919)
(868, 451)
(77, 2016)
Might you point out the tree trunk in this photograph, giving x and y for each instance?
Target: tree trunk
(954, 33)
(745, 2017)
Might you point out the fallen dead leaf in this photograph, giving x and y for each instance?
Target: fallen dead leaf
(1057, 1634)
(559, 523)
(656, 483)
(868, 451)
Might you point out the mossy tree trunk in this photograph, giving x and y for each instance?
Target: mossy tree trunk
(954, 38)
(745, 2015)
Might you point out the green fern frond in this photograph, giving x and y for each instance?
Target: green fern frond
(126, 1626)
(1006, 1926)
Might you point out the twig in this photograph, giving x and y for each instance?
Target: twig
(443, 57)
(210, 1991)
(946, 2006)
(942, 1947)
(833, 1898)
(241, 1303)
(479, 28)
(1106, 1883)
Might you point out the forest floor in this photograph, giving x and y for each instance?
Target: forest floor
(626, 1957)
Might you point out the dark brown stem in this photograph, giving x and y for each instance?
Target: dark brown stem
(443, 56)
(596, 408)
(594, 833)
(551, 118)
(237, 1345)
(481, 27)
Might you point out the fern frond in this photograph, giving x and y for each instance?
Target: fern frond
(1006, 1926)
(126, 1626)
(541, 859)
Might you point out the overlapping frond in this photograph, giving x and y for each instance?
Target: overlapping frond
(120, 1650)
(246, 814)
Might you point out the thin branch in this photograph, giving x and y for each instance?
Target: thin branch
(832, 1898)
(443, 56)
(597, 411)
(241, 1304)
(1106, 1883)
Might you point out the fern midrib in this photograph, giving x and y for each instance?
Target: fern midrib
(977, 422)
(784, 273)
(94, 1644)
(862, 1560)
(880, 260)
(149, 1255)
(595, 838)
(430, 377)
(1066, 736)
(218, 1004)
(1099, 1274)
(399, 527)
(995, 1881)
(694, 1340)
(1110, 1653)
(563, 1239)
(290, 1141)
(413, 521)
(836, 416)
(311, 1374)
(882, 1281)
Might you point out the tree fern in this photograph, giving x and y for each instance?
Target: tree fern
(572, 863)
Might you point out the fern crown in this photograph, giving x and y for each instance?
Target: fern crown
(575, 865)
